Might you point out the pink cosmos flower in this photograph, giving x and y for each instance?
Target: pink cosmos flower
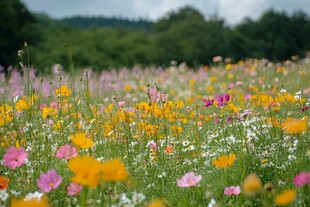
(15, 157)
(188, 180)
(232, 190)
(208, 102)
(49, 181)
(74, 189)
(66, 152)
(157, 96)
(121, 104)
(301, 179)
(222, 99)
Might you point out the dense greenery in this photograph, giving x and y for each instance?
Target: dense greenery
(89, 22)
(17, 25)
(183, 35)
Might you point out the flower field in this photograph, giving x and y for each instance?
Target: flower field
(219, 135)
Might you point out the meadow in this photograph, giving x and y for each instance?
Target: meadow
(220, 135)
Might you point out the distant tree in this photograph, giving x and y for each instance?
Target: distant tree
(17, 27)
(185, 35)
(276, 36)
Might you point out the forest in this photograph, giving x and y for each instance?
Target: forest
(184, 35)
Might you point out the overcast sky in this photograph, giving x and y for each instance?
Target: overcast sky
(233, 11)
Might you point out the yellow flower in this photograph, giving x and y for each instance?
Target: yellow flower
(63, 91)
(34, 202)
(156, 203)
(48, 112)
(150, 129)
(21, 105)
(252, 184)
(294, 126)
(176, 129)
(81, 141)
(6, 114)
(114, 170)
(286, 198)
(224, 161)
(87, 170)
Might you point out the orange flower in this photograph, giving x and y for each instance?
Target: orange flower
(87, 170)
(286, 198)
(114, 170)
(224, 161)
(81, 141)
(252, 184)
(34, 202)
(4, 182)
(169, 150)
(156, 203)
(294, 126)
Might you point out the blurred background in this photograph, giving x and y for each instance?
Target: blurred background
(105, 34)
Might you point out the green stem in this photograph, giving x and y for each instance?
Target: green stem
(84, 196)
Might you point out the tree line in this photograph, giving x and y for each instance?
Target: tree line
(184, 35)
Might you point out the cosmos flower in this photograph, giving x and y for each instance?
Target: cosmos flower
(232, 190)
(222, 99)
(34, 202)
(188, 180)
(49, 181)
(15, 157)
(301, 179)
(294, 126)
(81, 140)
(224, 161)
(74, 189)
(66, 152)
(4, 182)
(87, 170)
(208, 102)
(252, 184)
(286, 197)
(114, 170)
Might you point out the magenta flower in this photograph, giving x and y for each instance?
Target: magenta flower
(49, 181)
(304, 108)
(301, 179)
(15, 157)
(208, 102)
(74, 189)
(66, 152)
(221, 100)
(232, 190)
(188, 180)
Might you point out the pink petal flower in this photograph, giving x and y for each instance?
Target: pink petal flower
(121, 104)
(49, 181)
(74, 189)
(188, 180)
(156, 95)
(15, 157)
(232, 190)
(301, 179)
(66, 152)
